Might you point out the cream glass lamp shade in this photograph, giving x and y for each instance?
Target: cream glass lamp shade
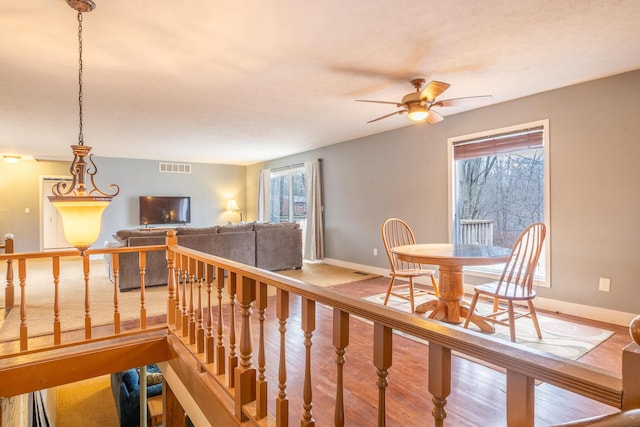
(232, 205)
(81, 220)
(418, 113)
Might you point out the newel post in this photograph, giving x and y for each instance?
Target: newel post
(245, 374)
(630, 368)
(9, 290)
(172, 240)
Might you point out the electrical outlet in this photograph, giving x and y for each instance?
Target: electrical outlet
(604, 285)
(375, 251)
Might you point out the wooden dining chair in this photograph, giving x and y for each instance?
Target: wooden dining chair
(515, 284)
(396, 232)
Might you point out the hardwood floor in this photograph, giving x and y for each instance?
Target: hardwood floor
(478, 392)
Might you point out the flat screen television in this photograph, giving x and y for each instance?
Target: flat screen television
(165, 210)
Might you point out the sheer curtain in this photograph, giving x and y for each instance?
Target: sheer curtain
(314, 234)
(264, 195)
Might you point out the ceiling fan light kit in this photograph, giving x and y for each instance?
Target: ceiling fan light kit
(418, 105)
(418, 113)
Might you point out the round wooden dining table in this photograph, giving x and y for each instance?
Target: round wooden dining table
(450, 259)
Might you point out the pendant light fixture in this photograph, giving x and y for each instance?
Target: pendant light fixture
(81, 208)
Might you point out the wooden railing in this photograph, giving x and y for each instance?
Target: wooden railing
(475, 232)
(212, 304)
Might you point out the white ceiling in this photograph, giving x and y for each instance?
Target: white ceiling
(238, 82)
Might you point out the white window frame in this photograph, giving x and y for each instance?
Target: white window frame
(290, 171)
(547, 192)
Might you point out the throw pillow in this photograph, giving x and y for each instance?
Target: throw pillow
(154, 378)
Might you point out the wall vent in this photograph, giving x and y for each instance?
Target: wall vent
(175, 167)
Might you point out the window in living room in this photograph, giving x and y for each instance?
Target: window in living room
(288, 196)
(499, 185)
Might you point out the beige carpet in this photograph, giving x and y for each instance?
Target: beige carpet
(560, 337)
(39, 292)
(326, 275)
(87, 403)
(40, 295)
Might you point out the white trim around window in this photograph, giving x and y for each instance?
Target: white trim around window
(547, 189)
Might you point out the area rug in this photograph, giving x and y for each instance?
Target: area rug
(559, 337)
(326, 275)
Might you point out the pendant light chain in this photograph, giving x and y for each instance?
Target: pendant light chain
(80, 136)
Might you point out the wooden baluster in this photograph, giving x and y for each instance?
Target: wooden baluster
(185, 280)
(193, 277)
(199, 327)
(22, 277)
(520, 399)
(56, 300)
(172, 240)
(233, 358)
(245, 374)
(220, 350)
(382, 355)
(9, 290)
(115, 259)
(439, 380)
(340, 342)
(261, 386)
(178, 261)
(87, 304)
(209, 354)
(282, 402)
(143, 272)
(308, 326)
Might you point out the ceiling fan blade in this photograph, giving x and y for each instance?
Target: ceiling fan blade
(434, 117)
(387, 115)
(433, 90)
(379, 102)
(467, 101)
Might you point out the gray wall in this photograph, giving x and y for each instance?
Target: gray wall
(209, 186)
(595, 144)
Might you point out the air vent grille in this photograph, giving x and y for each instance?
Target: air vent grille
(175, 167)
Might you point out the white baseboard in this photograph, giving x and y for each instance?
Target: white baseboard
(619, 318)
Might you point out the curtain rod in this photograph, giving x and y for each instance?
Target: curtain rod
(282, 168)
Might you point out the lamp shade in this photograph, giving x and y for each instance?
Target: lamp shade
(418, 113)
(81, 219)
(232, 205)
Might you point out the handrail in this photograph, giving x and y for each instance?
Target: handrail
(191, 273)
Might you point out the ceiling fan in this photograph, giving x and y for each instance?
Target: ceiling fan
(418, 105)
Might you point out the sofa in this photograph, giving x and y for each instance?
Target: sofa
(125, 387)
(270, 246)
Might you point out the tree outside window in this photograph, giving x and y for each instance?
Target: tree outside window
(498, 187)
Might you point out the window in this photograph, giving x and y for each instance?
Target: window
(288, 196)
(499, 185)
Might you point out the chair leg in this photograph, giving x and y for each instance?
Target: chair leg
(496, 303)
(534, 317)
(411, 298)
(435, 286)
(472, 308)
(386, 298)
(512, 322)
